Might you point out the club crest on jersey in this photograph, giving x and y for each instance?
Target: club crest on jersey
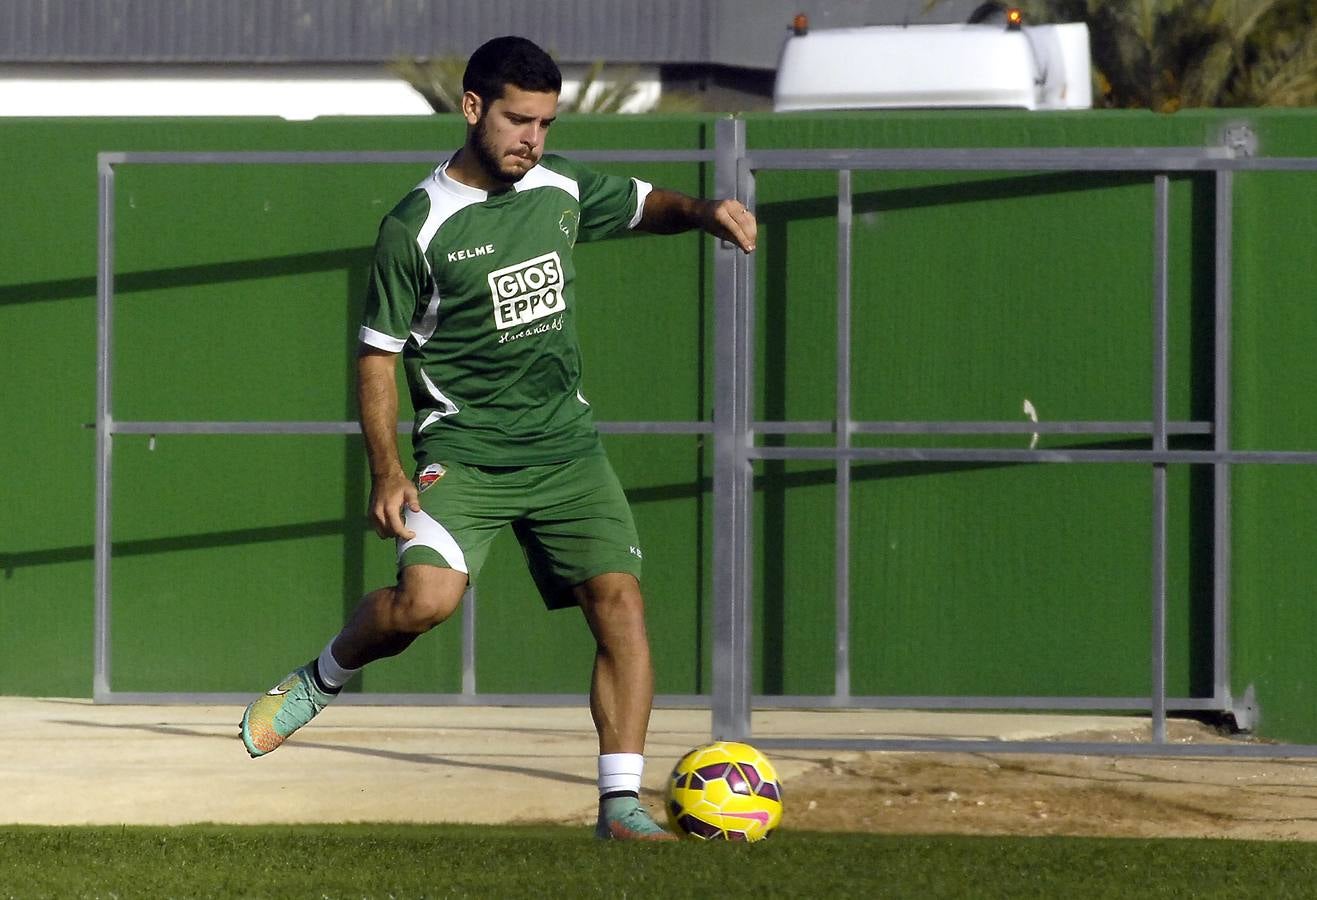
(568, 224)
(527, 291)
(428, 476)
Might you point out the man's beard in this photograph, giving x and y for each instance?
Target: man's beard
(489, 158)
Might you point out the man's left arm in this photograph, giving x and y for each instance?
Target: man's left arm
(670, 212)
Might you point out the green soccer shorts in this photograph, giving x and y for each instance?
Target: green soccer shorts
(571, 518)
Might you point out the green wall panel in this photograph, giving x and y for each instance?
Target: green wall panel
(973, 293)
(1275, 378)
(238, 291)
(45, 626)
(1273, 614)
(794, 621)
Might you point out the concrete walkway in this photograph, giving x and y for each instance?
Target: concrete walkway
(74, 762)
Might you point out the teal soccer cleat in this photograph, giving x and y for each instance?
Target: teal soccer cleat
(624, 819)
(271, 718)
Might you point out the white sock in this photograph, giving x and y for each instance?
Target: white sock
(331, 673)
(620, 772)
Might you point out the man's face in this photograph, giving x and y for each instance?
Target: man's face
(508, 134)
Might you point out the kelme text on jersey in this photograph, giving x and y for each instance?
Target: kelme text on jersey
(470, 252)
(527, 291)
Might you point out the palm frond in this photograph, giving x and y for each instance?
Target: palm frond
(611, 94)
(1289, 79)
(578, 102)
(438, 80)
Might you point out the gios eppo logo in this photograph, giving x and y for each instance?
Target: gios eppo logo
(527, 291)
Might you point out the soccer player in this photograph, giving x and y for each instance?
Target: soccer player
(473, 284)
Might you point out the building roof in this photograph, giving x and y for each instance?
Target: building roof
(744, 33)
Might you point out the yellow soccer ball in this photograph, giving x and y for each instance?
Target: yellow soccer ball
(724, 791)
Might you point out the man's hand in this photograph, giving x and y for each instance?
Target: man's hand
(730, 221)
(388, 495)
(671, 212)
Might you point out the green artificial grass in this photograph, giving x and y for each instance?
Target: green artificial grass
(402, 861)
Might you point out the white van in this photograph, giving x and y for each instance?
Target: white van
(925, 66)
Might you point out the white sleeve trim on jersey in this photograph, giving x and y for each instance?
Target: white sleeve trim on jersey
(446, 406)
(428, 320)
(642, 191)
(381, 341)
(430, 533)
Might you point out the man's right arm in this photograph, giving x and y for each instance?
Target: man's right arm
(377, 400)
(670, 212)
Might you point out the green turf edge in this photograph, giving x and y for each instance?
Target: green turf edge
(425, 861)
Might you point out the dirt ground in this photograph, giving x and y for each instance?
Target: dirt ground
(74, 762)
(1062, 795)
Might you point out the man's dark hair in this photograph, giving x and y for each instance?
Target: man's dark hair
(510, 60)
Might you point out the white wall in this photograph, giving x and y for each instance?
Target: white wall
(290, 92)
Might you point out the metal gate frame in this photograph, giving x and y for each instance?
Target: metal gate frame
(732, 700)
(107, 426)
(735, 448)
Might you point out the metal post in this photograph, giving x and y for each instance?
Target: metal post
(1221, 529)
(104, 423)
(731, 473)
(745, 352)
(469, 642)
(845, 218)
(1161, 231)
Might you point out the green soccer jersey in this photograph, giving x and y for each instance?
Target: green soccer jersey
(477, 292)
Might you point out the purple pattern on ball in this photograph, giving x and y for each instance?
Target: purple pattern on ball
(713, 772)
(736, 781)
(700, 828)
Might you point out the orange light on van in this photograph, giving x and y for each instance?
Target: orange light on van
(1014, 19)
(800, 25)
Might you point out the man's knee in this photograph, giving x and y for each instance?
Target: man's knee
(426, 596)
(613, 605)
(615, 590)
